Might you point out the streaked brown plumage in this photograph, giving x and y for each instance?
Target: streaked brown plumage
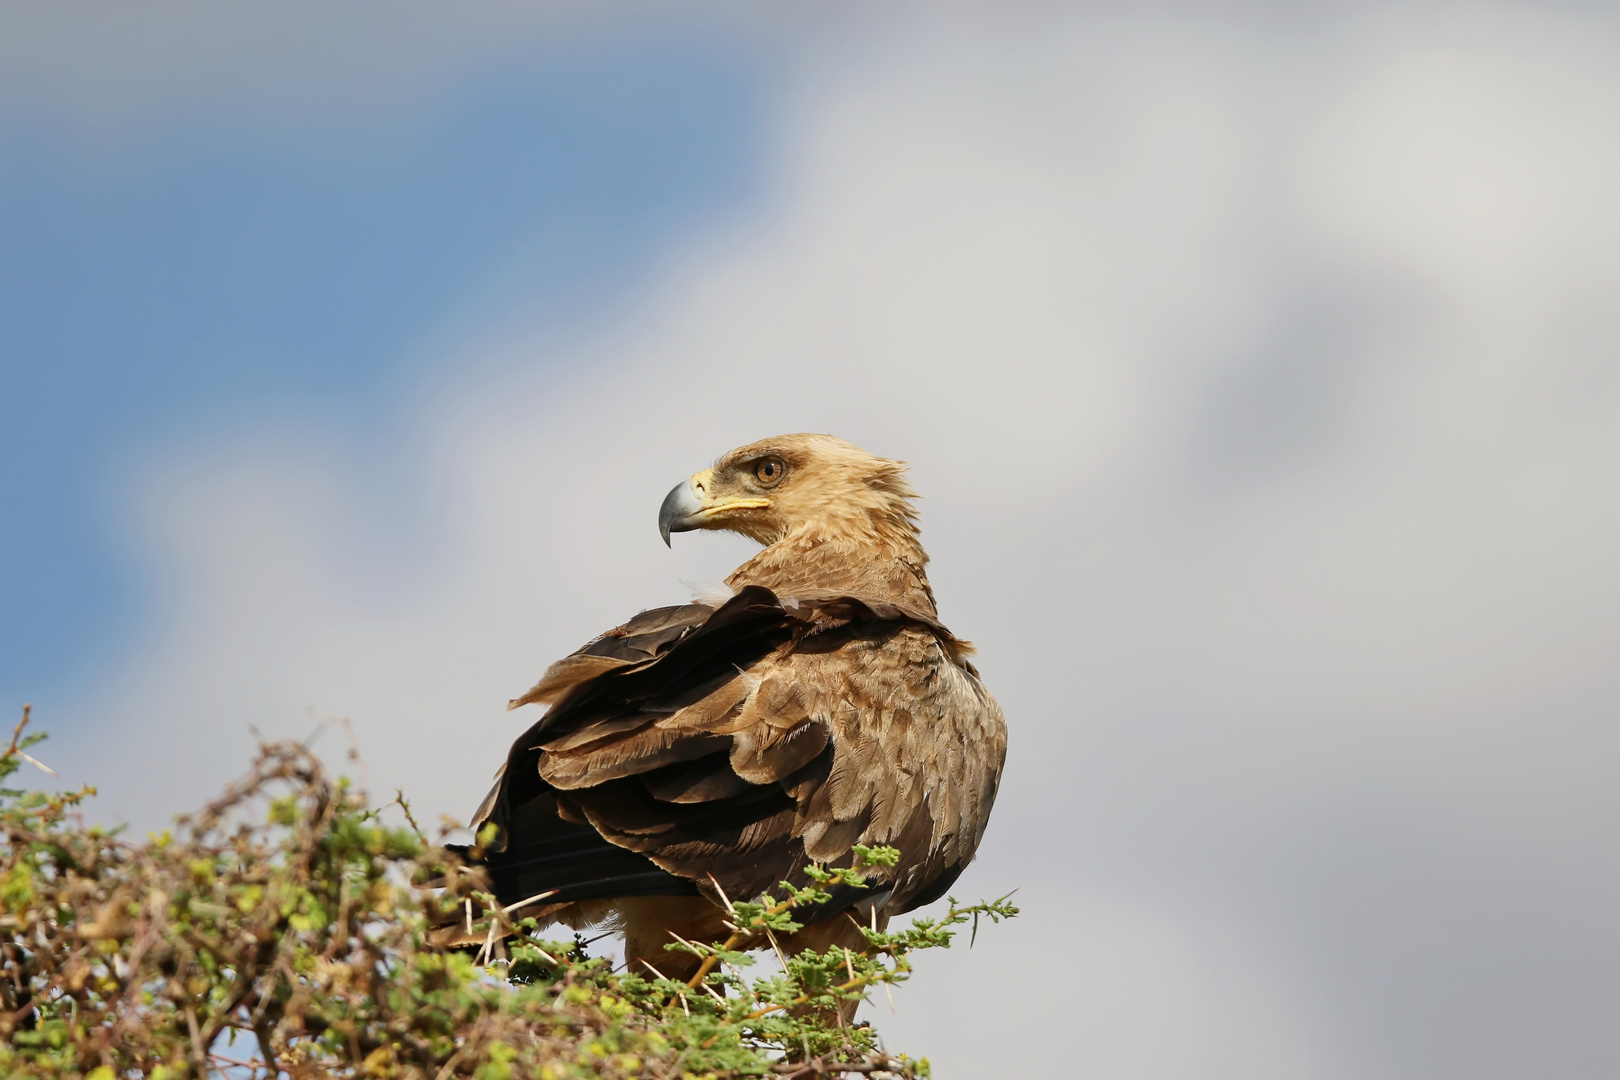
(703, 748)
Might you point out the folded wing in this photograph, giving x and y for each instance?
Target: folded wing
(731, 746)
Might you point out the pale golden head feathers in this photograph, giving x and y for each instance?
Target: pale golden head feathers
(795, 486)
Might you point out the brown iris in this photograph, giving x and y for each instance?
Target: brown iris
(769, 470)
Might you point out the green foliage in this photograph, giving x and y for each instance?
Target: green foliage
(285, 923)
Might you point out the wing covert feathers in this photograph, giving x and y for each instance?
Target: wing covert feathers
(747, 740)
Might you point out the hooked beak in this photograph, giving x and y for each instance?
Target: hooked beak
(680, 510)
(689, 505)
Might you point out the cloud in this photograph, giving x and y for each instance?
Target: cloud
(1260, 386)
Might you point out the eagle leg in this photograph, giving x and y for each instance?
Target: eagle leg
(650, 923)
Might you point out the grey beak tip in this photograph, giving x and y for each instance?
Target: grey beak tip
(675, 515)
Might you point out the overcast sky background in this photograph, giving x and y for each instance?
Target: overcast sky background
(1257, 364)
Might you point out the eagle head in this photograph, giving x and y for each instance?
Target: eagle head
(791, 485)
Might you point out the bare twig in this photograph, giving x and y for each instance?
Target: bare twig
(399, 797)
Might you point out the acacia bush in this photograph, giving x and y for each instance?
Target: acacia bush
(283, 929)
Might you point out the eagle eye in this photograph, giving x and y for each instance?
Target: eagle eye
(769, 470)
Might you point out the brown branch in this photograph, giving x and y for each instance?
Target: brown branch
(16, 733)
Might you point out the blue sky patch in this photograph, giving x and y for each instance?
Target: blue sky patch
(228, 269)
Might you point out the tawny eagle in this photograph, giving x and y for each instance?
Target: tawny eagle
(724, 746)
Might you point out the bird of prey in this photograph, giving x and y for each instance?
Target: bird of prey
(715, 749)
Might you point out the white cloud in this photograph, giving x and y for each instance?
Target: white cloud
(1261, 389)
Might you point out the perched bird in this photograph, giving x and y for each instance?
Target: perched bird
(713, 750)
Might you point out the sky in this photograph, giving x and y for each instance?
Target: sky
(1256, 365)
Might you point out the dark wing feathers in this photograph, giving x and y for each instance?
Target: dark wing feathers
(547, 851)
(629, 755)
(642, 638)
(564, 675)
(744, 742)
(704, 780)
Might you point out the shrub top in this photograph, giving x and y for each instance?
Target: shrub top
(286, 923)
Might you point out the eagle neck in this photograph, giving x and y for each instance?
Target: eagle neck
(881, 565)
